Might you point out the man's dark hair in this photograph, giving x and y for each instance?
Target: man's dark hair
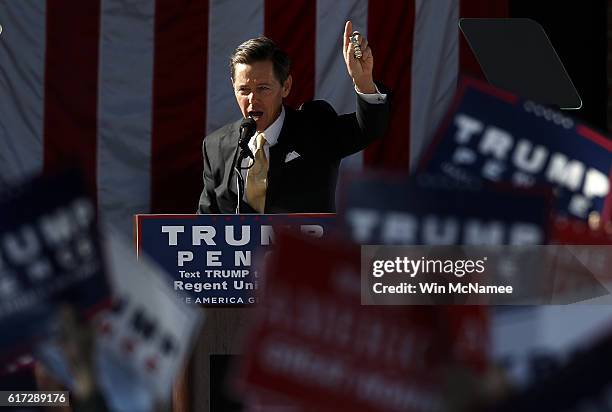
(262, 49)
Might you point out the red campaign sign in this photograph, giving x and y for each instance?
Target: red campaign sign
(577, 232)
(468, 333)
(314, 344)
(591, 249)
(260, 403)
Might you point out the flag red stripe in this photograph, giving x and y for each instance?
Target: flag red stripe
(477, 8)
(391, 40)
(71, 87)
(292, 26)
(179, 104)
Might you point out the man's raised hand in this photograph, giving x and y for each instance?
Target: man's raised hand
(360, 70)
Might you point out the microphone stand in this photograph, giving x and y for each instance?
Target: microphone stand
(239, 178)
(247, 128)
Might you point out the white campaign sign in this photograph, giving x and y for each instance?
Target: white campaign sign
(150, 330)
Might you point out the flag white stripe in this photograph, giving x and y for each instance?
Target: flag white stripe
(22, 73)
(435, 64)
(125, 92)
(332, 82)
(230, 23)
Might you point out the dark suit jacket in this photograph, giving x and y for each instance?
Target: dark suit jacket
(305, 184)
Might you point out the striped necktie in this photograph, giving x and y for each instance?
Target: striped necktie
(257, 176)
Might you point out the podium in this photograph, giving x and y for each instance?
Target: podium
(211, 261)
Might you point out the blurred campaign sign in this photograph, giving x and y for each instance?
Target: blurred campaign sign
(313, 344)
(494, 136)
(49, 253)
(577, 232)
(213, 257)
(148, 332)
(591, 246)
(382, 209)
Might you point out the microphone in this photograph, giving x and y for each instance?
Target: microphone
(247, 129)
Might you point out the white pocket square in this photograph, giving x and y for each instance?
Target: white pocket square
(291, 156)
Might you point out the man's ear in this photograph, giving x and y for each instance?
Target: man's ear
(287, 86)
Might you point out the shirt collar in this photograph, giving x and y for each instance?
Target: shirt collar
(272, 132)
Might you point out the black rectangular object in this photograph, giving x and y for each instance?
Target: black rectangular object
(517, 55)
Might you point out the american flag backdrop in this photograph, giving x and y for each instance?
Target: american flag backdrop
(127, 89)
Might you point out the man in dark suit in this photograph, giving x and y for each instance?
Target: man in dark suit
(296, 153)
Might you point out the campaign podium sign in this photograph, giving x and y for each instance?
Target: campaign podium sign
(213, 258)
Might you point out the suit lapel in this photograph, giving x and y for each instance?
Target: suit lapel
(279, 151)
(230, 151)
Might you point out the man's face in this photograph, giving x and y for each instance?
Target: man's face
(258, 92)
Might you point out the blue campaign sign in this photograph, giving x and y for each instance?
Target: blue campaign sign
(493, 136)
(49, 253)
(213, 257)
(383, 209)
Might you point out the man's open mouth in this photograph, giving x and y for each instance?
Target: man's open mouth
(255, 114)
